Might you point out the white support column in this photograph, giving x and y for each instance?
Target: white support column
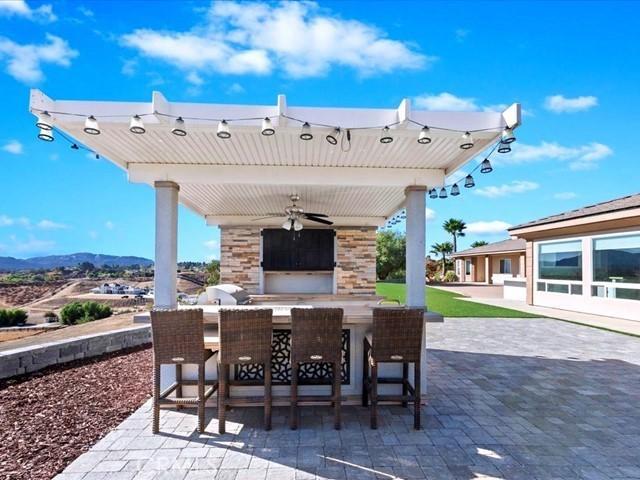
(165, 277)
(415, 255)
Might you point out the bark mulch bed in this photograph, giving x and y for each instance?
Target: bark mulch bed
(49, 418)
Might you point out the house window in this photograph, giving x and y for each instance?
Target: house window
(617, 259)
(467, 266)
(615, 292)
(560, 261)
(557, 287)
(505, 265)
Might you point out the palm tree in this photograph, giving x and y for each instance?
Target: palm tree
(479, 243)
(456, 228)
(444, 249)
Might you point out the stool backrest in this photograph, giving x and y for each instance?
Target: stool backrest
(316, 334)
(397, 334)
(178, 336)
(245, 335)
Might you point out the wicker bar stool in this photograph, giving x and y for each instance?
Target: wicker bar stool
(396, 338)
(178, 339)
(316, 336)
(245, 338)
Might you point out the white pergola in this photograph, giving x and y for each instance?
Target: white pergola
(234, 181)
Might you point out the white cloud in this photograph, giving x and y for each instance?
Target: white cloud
(235, 88)
(562, 104)
(212, 244)
(87, 12)
(445, 102)
(565, 195)
(429, 214)
(129, 67)
(461, 34)
(92, 234)
(583, 157)
(50, 225)
(516, 186)
(194, 79)
(14, 147)
(487, 228)
(109, 225)
(20, 8)
(7, 221)
(258, 38)
(24, 62)
(30, 245)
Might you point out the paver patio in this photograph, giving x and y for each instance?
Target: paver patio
(513, 398)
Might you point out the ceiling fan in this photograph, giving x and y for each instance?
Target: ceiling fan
(293, 214)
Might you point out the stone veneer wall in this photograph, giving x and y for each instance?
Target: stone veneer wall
(240, 257)
(356, 260)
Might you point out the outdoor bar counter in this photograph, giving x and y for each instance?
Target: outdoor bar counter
(357, 321)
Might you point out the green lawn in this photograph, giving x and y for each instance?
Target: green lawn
(448, 303)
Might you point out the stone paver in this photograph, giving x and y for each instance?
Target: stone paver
(509, 399)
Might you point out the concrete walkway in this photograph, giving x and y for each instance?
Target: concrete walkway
(610, 323)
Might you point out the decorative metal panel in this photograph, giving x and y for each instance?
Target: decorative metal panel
(281, 369)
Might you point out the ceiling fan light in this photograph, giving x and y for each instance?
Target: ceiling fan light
(467, 141)
(297, 225)
(485, 166)
(287, 224)
(424, 137)
(305, 132)
(46, 135)
(223, 130)
(45, 121)
(91, 126)
(508, 136)
(332, 137)
(179, 128)
(267, 127)
(136, 125)
(385, 135)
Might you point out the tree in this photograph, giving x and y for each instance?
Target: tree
(390, 254)
(479, 243)
(86, 267)
(456, 228)
(213, 272)
(444, 249)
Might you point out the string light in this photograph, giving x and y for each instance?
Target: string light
(179, 128)
(424, 137)
(504, 148)
(443, 193)
(468, 182)
(267, 129)
(44, 121)
(433, 193)
(75, 147)
(332, 137)
(385, 135)
(223, 130)
(467, 141)
(91, 126)
(508, 136)
(305, 132)
(455, 190)
(46, 135)
(136, 126)
(485, 166)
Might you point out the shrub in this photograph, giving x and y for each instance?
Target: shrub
(12, 317)
(450, 276)
(50, 316)
(82, 312)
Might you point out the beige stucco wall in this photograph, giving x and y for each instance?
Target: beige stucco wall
(240, 257)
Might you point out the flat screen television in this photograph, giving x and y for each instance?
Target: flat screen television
(286, 250)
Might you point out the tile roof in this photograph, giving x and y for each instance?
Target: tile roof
(508, 245)
(623, 203)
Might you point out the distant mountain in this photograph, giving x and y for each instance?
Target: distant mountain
(71, 260)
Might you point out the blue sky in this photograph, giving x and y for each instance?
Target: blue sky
(575, 67)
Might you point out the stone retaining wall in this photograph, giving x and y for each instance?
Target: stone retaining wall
(36, 357)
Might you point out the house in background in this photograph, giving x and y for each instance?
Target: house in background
(586, 260)
(493, 263)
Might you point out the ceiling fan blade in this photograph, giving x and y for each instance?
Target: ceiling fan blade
(264, 218)
(319, 220)
(321, 215)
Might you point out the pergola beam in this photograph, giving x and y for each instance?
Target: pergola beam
(244, 220)
(278, 175)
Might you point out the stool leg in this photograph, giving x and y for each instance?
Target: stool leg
(156, 398)
(365, 372)
(222, 397)
(267, 396)
(293, 420)
(337, 400)
(405, 379)
(201, 399)
(417, 397)
(374, 396)
(179, 382)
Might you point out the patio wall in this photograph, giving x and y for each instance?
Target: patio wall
(355, 271)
